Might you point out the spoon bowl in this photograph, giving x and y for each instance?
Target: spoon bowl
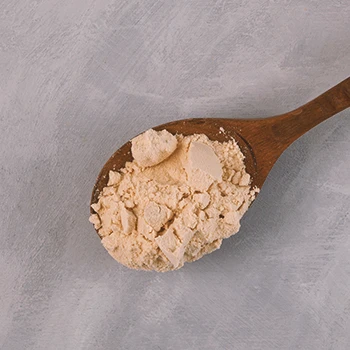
(261, 141)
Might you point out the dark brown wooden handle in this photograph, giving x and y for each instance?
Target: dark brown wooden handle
(290, 126)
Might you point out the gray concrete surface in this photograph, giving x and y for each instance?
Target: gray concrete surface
(78, 79)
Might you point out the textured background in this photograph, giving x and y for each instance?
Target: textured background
(78, 79)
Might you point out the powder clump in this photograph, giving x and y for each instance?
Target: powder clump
(176, 201)
(152, 147)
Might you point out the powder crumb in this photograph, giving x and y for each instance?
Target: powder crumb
(175, 202)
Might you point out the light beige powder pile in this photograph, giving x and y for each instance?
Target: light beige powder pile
(174, 202)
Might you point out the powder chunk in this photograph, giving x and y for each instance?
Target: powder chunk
(209, 229)
(232, 217)
(199, 180)
(245, 179)
(203, 199)
(202, 215)
(128, 220)
(173, 244)
(203, 157)
(184, 233)
(236, 178)
(170, 246)
(114, 178)
(203, 166)
(94, 219)
(152, 147)
(176, 201)
(189, 217)
(145, 229)
(96, 206)
(156, 215)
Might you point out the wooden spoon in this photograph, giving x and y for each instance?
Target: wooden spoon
(262, 141)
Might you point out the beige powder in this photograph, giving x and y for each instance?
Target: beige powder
(175, 202)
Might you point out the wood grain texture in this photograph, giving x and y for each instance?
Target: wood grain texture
(79, 78)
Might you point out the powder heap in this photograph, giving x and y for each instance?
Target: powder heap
(176, 201)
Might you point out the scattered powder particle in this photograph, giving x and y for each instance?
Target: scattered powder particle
(176, 201)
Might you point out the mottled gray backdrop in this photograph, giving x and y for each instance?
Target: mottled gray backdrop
(78, 79)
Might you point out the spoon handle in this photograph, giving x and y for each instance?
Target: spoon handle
(290, 126)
